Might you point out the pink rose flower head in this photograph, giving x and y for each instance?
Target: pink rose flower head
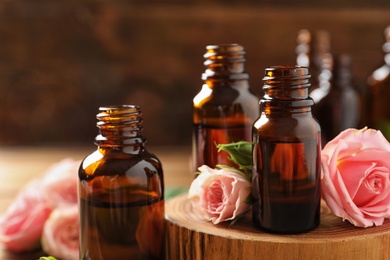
(356, 176)
(61, 234)
(59, 183)
(220, 194)
(21, 226)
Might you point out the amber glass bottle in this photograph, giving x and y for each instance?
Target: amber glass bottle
(286, 155)
(337, 102)
(225, 108)
(121, 190)
(378, 114)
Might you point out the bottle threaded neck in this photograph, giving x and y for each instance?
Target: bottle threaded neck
(119, 125)
(225, 61)
(286, 86)
(286, 81)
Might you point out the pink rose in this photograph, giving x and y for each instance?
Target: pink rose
(59, 183)
(356, 176)
(61, 234)
(220, 194)
(22, 224)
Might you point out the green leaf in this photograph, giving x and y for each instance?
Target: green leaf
(47, 258)
(171, 192)
(240, 153)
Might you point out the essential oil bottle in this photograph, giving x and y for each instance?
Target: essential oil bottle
(121, 191)
(225, 108)
(286, 155)
(378, 88)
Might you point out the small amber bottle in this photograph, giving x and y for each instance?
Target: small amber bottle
(286, 155)
(121, 191)
(225, 108)
(378, 114)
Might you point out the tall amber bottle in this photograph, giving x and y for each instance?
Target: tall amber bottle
(225, 108)
(121, 190)
(286, 154)
(378, 114)
(337, 102)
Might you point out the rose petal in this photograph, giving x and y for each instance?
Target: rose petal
(21, 226)
(219, 193)
(371, 191)
(368, 138)
(59, 183)
(61, 234)
(356, 176)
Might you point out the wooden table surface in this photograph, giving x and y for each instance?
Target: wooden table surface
(19, 165)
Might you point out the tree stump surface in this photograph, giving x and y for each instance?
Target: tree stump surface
(191, 237)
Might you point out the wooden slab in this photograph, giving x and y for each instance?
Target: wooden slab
(190, 237)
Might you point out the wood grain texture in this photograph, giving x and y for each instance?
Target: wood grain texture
(190, 237)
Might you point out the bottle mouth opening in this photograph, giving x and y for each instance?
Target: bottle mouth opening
(286, 72)
(119, 108)
(216, 50)
(114, 113)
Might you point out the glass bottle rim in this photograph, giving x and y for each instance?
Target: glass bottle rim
(286, 72)
(119, 107)
(218, 49)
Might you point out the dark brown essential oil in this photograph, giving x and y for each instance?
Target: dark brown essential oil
(288, 187)
(225, 108)
(286, 155)
(121, 192)
(210, 135)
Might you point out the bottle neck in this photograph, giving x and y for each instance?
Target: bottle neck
(286, 83)
(342, 76)
(120, 128)
(216, 84)
(286, 90)
(224, 62)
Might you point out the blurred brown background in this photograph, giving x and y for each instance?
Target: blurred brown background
(62, 59)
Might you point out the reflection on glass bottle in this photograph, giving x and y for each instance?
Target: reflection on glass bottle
(225, 108)
(121, 190)
(286, 155)
(379, 93)
(337, 102)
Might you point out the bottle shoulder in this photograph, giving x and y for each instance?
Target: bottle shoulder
(225, 98)
(285, 118)
(120, 163)
(287, 126)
